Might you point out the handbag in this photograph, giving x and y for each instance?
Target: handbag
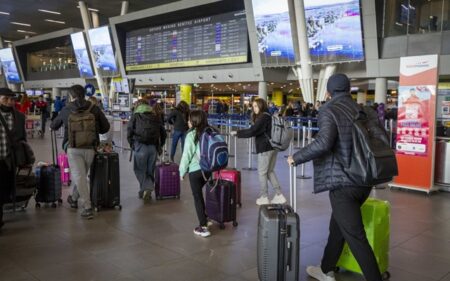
(22, 152)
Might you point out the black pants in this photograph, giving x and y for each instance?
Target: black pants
(7, 178)
(197, 182)
(346, 226)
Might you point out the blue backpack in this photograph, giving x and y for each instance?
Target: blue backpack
(213, 151)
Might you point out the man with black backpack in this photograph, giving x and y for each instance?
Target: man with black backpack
(83, 122)
(343, 171)
(146, 135)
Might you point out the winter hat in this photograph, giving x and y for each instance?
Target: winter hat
(6, 92)
(338, 83)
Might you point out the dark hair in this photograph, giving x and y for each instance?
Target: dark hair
(262, 105)
(183, 107)
(77, 92)
(199, 122)
(157, 109)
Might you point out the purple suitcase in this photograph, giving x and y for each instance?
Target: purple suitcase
(167, 181)
(221, 202)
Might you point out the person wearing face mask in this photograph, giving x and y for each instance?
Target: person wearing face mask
(15, 125)
(267, 155)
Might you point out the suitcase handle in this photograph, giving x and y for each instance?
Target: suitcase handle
(293, 187)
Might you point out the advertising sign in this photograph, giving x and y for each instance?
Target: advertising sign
(81, 55)
(416, 122)
(273, 28)
(9, 66)
(334, 30)
(103, 50)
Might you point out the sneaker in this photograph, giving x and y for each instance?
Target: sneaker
(263, 200)
(316, 272)
(278, 199)
(202, 231)
(87, 214)
(73, 204)
(147, 195)
(209, 224)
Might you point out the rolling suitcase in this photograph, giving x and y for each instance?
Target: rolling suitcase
(25, 188)
(278, 241)
(167, 181)
(376, 219)
(49, 189)
(220, 202)
(105, 181)
(234, 176)
(63, 163)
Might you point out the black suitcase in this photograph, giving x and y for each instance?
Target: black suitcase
(25, 188)
(221, 201)
(278, 242)
(49, 189)
(105, 181)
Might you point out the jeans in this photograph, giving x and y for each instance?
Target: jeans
(144, 166)
(197, 182)
(266, 165)
(175, 137)
(346, 225)
(80, 161)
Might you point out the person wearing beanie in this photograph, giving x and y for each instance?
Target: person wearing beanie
(13, 121)
(331, 151)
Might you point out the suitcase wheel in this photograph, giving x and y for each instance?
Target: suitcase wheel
(240, 205)
(60, 201)
(386, 275)
(235, 224)
(222, 226)
(178, 197)
(97, 209)
(54, 205)
(38, 205)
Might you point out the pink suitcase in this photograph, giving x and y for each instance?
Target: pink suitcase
(167, 181)
(235, 177)
(63, 163)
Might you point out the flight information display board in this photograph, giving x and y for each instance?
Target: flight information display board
(9, 66)
(219, 39)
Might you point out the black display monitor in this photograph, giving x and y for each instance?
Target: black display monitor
(212, 40)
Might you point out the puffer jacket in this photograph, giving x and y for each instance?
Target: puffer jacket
(261, 131)
(331, 150)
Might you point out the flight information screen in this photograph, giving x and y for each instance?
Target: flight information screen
(219, 39)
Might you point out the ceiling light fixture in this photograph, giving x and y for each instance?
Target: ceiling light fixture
(55, 21)
(49, 12)
(25, 31)
(4, 13)
(91, 9)
(20, 23)
(7, 41)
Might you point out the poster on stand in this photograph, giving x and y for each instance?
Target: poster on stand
(413, 123)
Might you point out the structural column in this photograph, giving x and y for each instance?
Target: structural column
(380, 90)
(361, 98)
(262, 90)
(186, 93)
(277, 97)
(56, 92)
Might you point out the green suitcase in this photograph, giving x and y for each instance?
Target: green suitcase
(376, 219)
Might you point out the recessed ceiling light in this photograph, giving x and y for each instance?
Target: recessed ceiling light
(56, 21)
(49, 12)
(4, 13)
(25, 31)
(20, 23)
(7, 41)
(91, 9)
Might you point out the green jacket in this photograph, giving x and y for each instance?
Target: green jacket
(191, 155)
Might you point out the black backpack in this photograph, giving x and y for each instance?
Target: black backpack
(147, 129)
(373, 160)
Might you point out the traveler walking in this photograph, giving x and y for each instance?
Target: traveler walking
(57, 107)
(198, 122)
(15, 122)
(146, 136)
(42, 105)
(83, 122)
(267, 155)
(331, 152)
(178, 118)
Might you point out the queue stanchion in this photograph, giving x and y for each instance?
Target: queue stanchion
(303, 166)
(298, 134)
(309, 131)
(291, 144)
(235, 151)
(391, 132)
(229, 139)
(250, 156)
(386, 124)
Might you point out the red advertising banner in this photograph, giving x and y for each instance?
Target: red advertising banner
(416, 122)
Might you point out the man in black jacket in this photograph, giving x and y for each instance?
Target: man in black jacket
(331, 151)
(16, 125)
(80, 159)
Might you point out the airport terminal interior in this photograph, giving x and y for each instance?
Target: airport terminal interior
(224, 60)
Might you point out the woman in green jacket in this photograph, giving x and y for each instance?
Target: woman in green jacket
(198, 122)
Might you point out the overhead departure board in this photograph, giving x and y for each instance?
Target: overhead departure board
(219, 39)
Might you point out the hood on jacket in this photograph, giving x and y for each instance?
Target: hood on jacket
(78, 105)
(143, 108)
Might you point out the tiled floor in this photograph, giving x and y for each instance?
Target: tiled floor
(155, 241)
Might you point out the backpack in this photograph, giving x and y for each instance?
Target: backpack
(281, 134)
(82, 129)
(373, 160)
(213, 151)
(147, 129)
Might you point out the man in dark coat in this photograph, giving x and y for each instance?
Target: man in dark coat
(331, 151)
(15, 121)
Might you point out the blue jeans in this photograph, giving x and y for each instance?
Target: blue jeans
(144, 166)
(175, 137)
